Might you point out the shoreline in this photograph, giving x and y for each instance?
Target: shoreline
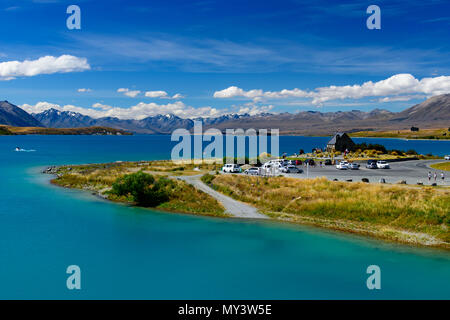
(402, 237)
(120, 132)
(366, 229)
(372, 230)
(399, 138)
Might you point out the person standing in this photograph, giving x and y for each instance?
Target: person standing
(442, 176)
(435, 176)
(429, 176)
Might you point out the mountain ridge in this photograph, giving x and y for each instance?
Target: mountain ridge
(14, 116)
(432, 113)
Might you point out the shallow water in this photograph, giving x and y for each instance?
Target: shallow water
(133, 253)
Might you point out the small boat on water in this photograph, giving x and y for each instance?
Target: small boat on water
(18, 149)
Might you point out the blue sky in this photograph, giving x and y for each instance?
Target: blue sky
(205, 57)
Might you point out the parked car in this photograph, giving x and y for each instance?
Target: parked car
(353, 166)
(292, 163)
(291, 169)
(328, 162)
(371, 164)
(252, 171)
(310, 162)
(447, 157)
(231, 168)
(382, 165)
(278, 162)
(342, 165)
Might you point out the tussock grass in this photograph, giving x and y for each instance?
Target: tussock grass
(442, 133)
(441, 166)
(420, 210)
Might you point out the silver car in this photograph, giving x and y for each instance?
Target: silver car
(353, 166)
(291, 169)
(252, 171)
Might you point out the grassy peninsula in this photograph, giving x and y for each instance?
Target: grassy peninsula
(414, 215)
(9, 130)
(144, 180)
(409, 214)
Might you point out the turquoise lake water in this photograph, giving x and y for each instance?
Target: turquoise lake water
(132, 253)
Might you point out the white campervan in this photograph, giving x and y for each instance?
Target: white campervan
(231, 168)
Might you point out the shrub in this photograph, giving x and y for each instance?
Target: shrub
(207, 178)
(411, 152)
(143, 188)
(364, 146)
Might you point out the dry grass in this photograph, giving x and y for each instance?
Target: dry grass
(441, 166)
(405, 134)
(419, 210)
(99, 178)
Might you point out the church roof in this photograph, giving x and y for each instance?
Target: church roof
(333, 140)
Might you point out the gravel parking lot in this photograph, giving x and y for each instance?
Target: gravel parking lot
(410, 171)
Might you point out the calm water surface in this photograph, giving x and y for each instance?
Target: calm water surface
(132, 253)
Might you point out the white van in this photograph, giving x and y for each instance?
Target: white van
(231, 168)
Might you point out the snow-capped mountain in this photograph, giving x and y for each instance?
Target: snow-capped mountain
(432, 113)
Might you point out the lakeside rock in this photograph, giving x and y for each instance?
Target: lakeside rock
(51, 170)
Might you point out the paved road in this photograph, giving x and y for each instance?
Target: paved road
(411, 171)
(233, 207)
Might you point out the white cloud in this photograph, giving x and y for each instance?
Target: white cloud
(177, 96)
(162, 95)
(233, 91)
(132, 94)
(143, 110)
(401, 98)
(45, 65)
(129, 93)
(399, 84)
(101, 106)
(84, 90)
(156, 94)
(253, 110)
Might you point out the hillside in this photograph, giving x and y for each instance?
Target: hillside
(442, 134)
(436, 110)
(430, 114)
(14, 116)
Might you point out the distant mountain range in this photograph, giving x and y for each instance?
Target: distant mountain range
(432, 113)
(159, 124)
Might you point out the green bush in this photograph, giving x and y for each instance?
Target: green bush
(143, 188)
(207, 178)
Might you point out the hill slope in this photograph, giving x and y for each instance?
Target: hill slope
(14, 116)
(434, 109)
